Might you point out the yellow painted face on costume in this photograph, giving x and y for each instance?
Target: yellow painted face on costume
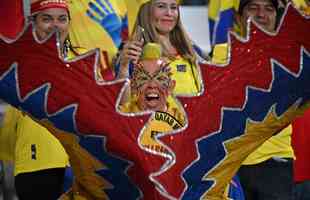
(151, 87)
(151, 81)
(142, 75)
(151, 68)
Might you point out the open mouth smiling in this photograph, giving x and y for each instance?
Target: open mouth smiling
(152, 97)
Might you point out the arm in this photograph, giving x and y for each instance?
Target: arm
(127, 56)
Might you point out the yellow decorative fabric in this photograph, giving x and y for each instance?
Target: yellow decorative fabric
(277, 146)
(255, 135)
(220, 53)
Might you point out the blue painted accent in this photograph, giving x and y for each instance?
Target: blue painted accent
(235, 190)
(131, 67)
(107, 18)
(211, 149)
(64, 120)
(115, 173)
(113, 25)
(125, 22)
(8, 87)
(68, 179)
(36, 98)
(6, 84)
(219, 29)
(211, 29)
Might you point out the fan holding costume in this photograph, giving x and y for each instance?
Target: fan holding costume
(159, 21)
(39, 158)
(275, 156)
(151, 88)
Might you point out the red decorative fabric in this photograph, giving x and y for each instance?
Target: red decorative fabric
(11, 18)
(46, 84)
(300, 142)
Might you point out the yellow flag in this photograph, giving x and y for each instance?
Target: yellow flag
(97, 24)
(300, 3)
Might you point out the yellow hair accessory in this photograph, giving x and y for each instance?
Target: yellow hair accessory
(151, 51)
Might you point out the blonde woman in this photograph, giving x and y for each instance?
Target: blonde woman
(158, 21)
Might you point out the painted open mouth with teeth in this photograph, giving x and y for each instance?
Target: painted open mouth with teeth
(152, 97)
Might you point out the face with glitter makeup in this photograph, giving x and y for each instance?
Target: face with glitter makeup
(165, 15)
(152, 84)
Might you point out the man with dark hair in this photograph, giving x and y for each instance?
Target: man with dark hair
(263, 12)
(243, 3)
(267, 173)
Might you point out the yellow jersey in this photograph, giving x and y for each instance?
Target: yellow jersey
(28, 144)
(186, 75)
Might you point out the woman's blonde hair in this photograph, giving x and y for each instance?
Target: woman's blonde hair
(178, 37)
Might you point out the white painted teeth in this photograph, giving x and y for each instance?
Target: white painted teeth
(152, 95)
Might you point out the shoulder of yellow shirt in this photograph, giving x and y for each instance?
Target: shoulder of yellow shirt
(173, 110)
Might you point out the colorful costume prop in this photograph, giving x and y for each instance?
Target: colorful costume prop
(262, 89)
